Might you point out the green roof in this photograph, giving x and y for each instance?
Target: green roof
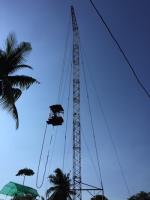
(15, 189)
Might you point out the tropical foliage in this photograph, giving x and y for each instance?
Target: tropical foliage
(12, 59)
(140, 196)
(99, 197)
(61, 189)
(25, 172)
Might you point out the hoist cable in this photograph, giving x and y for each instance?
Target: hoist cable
(39, 186)
(66, 128)
(47, 158)
(59, 96)
(121, 50)
(53, 148)
(93, 130)
(107, 127)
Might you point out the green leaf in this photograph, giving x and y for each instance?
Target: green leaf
(21, 81)
(10, 43)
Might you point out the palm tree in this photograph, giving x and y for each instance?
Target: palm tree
(11, 60)
(140, 196)
(61, 189)
(25, 172)
(99, 197)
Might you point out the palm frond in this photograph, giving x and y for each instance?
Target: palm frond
(14, 113)
(16, 93)
(19, 53)
(61, 186)
(59, 175)
(8, 99)
(10, 43)
(25, 172)
(11, 108)
(52, 192)
(0, 88)
(12, 59)
(52, 197)
(48, 192)
(53, 179)
(7, 94)
(18, 67)
(3, 64)
(21, 81)
(59, 172)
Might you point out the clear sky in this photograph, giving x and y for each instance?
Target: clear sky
(44, 23)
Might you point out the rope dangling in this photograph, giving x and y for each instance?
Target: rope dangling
(37, 177)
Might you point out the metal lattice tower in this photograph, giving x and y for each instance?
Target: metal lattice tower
(76, 111)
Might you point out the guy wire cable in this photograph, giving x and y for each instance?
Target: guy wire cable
(89, 153)
(121, 50)
(93, 131)
(107, 125)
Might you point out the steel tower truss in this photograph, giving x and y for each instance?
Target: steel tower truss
(76, 111)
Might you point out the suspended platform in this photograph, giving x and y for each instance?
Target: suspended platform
(56, 115)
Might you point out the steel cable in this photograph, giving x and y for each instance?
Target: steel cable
(93, 130)
(121, 50)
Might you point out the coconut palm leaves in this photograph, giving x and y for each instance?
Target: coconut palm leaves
(140, 196)
(25, 172)
(99, 197)
(61, 188)
(11, 86)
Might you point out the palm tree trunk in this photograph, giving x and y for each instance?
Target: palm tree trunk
(24, 179)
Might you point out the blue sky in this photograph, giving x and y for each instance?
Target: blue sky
(127, 109)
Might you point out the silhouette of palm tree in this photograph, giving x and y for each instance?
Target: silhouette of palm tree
(61, 186)
(99, 197)
(25, 172)
(11, 60)
(140, 196)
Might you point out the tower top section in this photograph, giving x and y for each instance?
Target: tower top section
(74, 21)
